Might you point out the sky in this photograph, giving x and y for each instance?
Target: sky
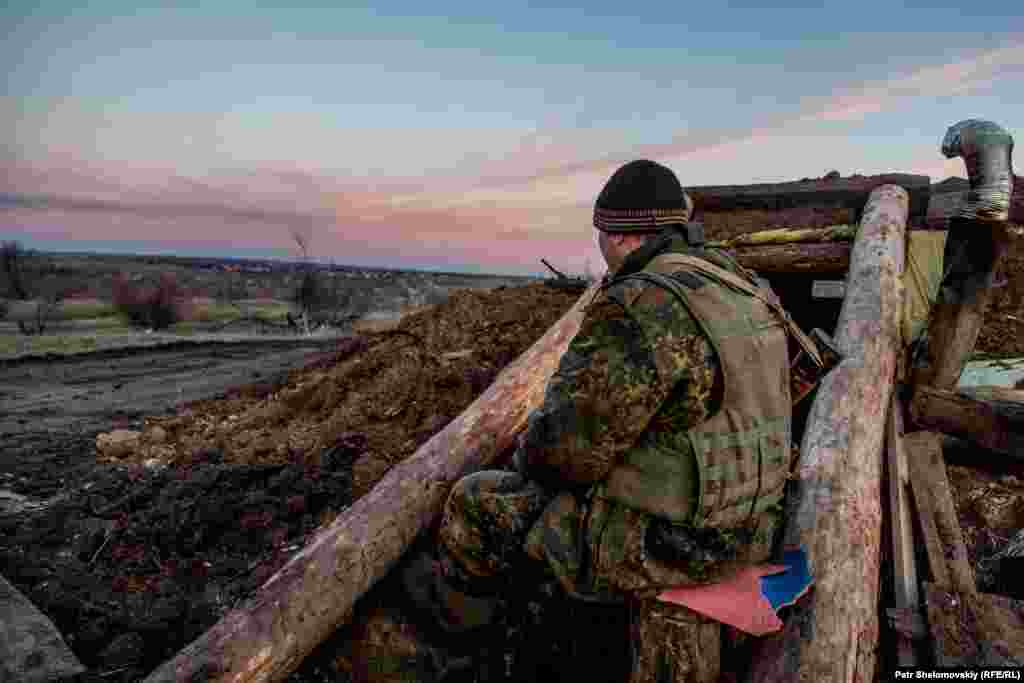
(455, 135)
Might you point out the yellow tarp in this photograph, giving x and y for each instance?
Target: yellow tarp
(921, 278)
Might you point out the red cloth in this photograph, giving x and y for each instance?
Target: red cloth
(737, 601)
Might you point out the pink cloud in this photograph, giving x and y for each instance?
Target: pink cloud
(507, 198)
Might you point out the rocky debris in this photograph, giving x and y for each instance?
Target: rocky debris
(138, 562)
(999, 504)
(118, 443)
(1003, 572)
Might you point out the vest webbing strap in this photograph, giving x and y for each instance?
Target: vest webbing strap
(724, 276)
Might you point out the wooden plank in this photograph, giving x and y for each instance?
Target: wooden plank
(931, 483)
(268, 636)
(904, 562)
(925, 509)
(835, 510)
(997, 424)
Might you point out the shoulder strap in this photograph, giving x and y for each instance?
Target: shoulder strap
(765, 296)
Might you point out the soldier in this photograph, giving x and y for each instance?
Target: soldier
(659, 454)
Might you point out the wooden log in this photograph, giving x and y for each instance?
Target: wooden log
(32, 650)
(825, 258)
(906, 597)
(838, 232)
(297, 608)
(834, 511)
(978, 240)
(991, 417)
(849, 193)
(1002, 400)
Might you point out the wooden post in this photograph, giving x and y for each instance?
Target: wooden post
(300, 606)
(976, 244)
(835, 510)
(32, 650)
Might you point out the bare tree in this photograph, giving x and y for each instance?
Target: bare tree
(25, 280)
(231, 290)
(308, 290)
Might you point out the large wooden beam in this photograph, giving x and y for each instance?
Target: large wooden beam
(850, 193)
(977, 241)
(297, 608)
(991, 417)
(834, 511)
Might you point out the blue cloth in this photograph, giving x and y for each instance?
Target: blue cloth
(785, 588)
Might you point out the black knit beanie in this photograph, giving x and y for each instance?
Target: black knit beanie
(642, 196)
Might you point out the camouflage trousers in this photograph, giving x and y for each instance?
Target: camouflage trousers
(499, 528)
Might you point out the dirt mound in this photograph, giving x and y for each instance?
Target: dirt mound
(1003, 331)
(390, 391)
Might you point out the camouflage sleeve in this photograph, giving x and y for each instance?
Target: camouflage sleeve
(639, 360)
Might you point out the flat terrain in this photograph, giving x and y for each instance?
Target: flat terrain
(81, 393)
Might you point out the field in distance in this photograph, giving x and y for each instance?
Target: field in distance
(223, 299)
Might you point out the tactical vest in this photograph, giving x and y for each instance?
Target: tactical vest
(740, 455)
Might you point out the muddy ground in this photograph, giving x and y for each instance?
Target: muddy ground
(260, 446)
(133, 554)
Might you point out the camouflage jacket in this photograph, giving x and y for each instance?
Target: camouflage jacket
(628, 370)
(640, 364)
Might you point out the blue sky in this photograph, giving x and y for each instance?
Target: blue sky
(462, 138)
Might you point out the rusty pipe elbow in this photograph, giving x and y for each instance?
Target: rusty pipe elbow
(987, 151)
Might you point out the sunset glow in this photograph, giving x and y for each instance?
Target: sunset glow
(457, 141)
